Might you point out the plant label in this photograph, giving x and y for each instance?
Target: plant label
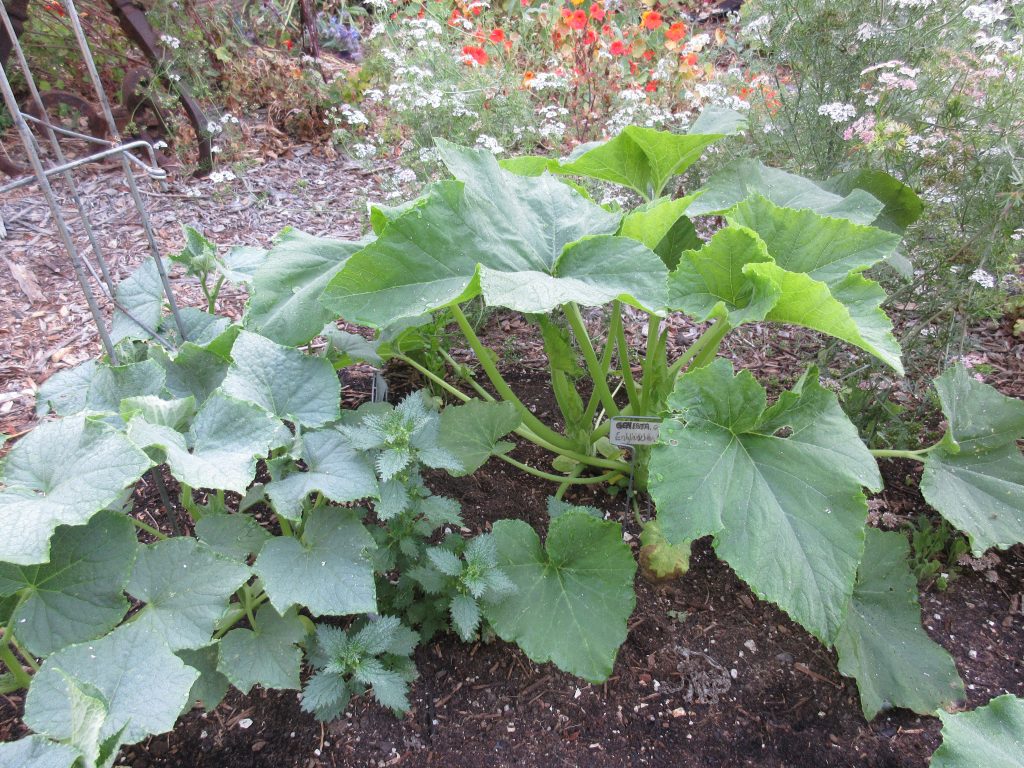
(634, 430)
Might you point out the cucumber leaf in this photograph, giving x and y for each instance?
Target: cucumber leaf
(726, 466)
(186, 587)
(78, 595)
(573, 595)
(38, 752)
(142, 294)
(266, 654)
(882, 645)
(328, 571)
(233, 536)
(285, 382)
(211, 687)
(61, 473)
(333, 467)
(472, 432)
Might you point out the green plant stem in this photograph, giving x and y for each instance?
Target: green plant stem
(462, 371)
(564, 486)
(148, 529)
(654, 340)
(886, 453)
(239, 614)
(710, 336)
(606, 361)
(622, 346)
(165, 499)
(598, 373)
(605, 478)
(715, 335)
(28, 657)
(21, 677)
(286, 527)
(434, 378)
(501, 386)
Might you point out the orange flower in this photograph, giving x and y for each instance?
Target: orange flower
(597, 12)
(288, 44)
(578, 19)
(618, 48)
(676, 32)
(497, 36)
(472, 54)
(528, 76)
(690, 59)
(650, 20)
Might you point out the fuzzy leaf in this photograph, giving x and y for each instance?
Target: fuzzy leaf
(975, 477)
(465, 616)
(328, 571)
(265, 655)
(445, 561)
(333, 467)
(78, 595)
(472, 432)
(389, 687)
(61, 473)
(881, 643)
(285, 288)
(325, 696)
(285, 382)
(989, 736)
(573, 596)
(186, 587)
(123, 667)
(787, 512)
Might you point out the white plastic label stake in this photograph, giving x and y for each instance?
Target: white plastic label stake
(634, 430)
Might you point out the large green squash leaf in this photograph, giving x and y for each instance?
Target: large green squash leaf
(645, 159)
(975, 476)
(265, 655)
(221, 447)
(990, 736)
(65, 392)
(522, 242)
(778, 488)
(328, 571)
(882, 645)
(211, 687)
(233, 536)
(286, 287)
(573, 596)
(817, 264)
(283, 381)
(744, 179)
(186, 587)
(713, 282)
(902, 205)
(197, 369)
(78, 595)
(472, 432)
(144, 684)
(658, 224)
(61, 473)
(333, 468)
(37, 752)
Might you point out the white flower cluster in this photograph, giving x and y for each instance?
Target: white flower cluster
(549, 81)
(213, 128)
(363, 151)
(983, 278)
(838, 112)
(985, 14)
(552, 125)
(170, 42)
(404, 176)
(868, 31)
(353, 116)
(220, 176)
(489, 143)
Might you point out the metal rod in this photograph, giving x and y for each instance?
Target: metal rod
(154, 170)
(94, 76)
(28, 140)
(71, 164)
(55, 146)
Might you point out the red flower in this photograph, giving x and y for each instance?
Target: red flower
(597, 12)
(618, 48)
(566, 14)
(676, 32)
(590, 37)
(476, 10)
(652, 86)
(648, 55)
(577, 19)
(497, 36)
(633, 68)
(474, 54)
(288, 44)
(650, 20)
(606, 30)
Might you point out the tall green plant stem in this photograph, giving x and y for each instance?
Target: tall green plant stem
(886, 453)
(501, 386)
(522, 431)
(709, 340)
(21, 677)
(655, 340)
(617, 334)
(148, 529)
(608, 477)
(598, 373)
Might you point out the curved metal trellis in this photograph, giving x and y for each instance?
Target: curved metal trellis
(63, 169)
